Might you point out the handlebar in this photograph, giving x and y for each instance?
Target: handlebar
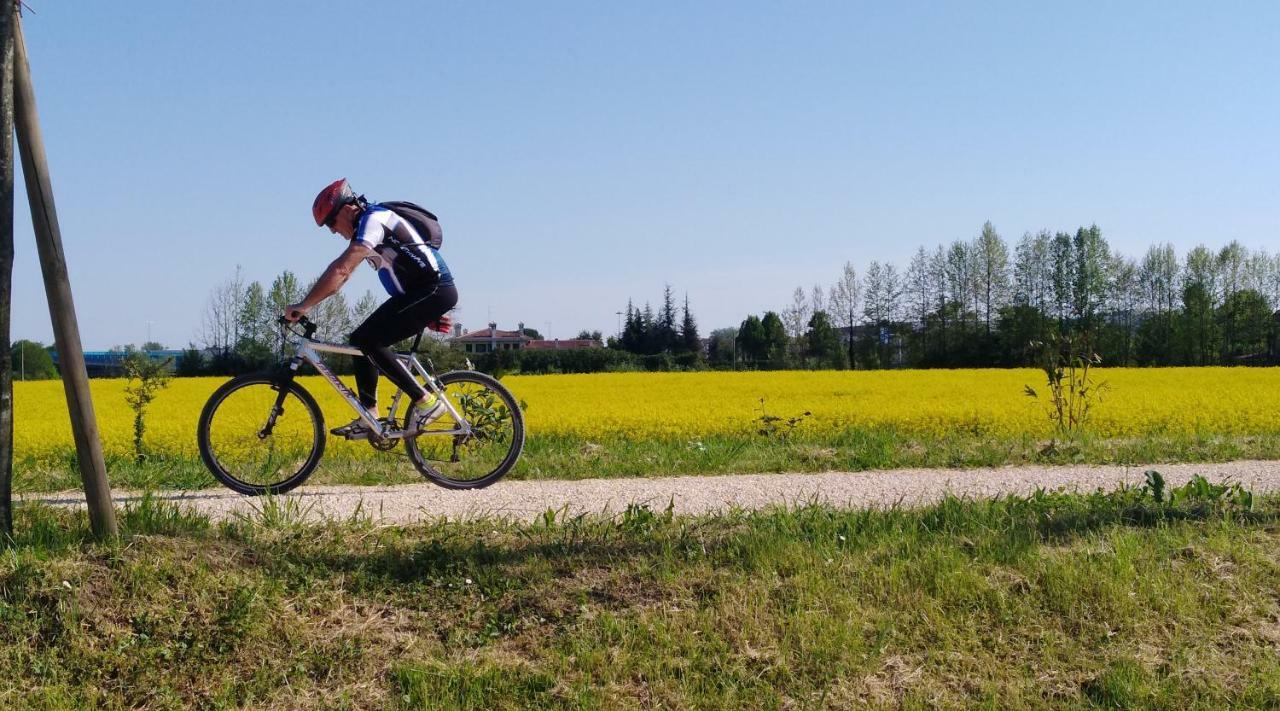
(309, 329)
(308, 326)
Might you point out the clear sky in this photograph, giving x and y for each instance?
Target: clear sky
(580, 153)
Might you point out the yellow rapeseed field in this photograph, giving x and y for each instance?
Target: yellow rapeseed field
(1231, 401)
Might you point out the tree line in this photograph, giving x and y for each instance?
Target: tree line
(239, 331)
(978, 303)
(970, 303)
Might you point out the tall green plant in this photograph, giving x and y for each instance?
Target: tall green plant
(146, 377)
(1067, 362)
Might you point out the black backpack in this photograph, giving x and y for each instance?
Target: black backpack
(426, 224)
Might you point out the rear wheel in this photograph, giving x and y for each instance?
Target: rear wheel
(488, 451)
(261, 433)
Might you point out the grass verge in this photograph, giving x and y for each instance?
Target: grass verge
(1141, 597)
(573, 458)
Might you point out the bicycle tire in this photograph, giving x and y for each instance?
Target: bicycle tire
(230, 479)
(434, 475)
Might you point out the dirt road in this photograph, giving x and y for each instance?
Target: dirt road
(696, 494)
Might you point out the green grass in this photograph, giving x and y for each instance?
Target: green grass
(855, 450)
(1104, 600)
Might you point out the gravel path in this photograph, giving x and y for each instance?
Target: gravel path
(697, 494)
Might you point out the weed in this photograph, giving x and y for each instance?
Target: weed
(773, 426)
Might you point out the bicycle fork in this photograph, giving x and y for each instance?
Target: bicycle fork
(281, 386)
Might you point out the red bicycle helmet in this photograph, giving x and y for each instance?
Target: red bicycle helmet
(330, 200)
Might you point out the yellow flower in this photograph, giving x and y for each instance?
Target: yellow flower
(691, 406)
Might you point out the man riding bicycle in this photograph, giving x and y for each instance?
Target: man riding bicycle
(413, 273)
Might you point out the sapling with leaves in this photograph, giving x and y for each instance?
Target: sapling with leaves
(146, 377)
(1067, 362)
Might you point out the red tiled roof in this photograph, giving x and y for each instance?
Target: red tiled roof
(565, 344)
(486, 334)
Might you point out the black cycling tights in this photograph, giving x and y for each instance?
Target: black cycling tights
(395, 320)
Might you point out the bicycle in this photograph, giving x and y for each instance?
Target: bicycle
(264, 433)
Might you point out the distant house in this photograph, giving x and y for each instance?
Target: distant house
(567, 343)
(488, 340)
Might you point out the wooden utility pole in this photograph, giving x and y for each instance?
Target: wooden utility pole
(57, 287)
(7, 20)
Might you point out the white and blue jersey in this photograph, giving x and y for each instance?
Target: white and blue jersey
(405, 262)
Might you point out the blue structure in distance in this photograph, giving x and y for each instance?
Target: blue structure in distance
(108, 363)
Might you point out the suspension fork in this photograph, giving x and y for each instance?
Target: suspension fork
(281, 385)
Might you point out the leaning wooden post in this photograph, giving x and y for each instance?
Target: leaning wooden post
(6, 270)
(57, 287)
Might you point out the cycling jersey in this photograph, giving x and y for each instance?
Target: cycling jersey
(405, 262)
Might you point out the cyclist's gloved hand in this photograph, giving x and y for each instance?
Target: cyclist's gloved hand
(293, 312)
(444, 324)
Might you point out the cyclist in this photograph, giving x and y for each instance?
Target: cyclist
(413, 273)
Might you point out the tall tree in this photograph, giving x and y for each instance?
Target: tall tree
(822, 345)
(257, 322)
(1063, 276)
(775, 339)
(722, 346)
(796, 315)
(690, 342)
(221, 328)
(1125, 300)
(651, 339)
(1158, 278)
(1202, 270)
(632, 333)
(992, 256)
(918, 288)
(1231, 276)
(960, 275)
(817, 299)
(1089, 286)
(364, 307)
(883, 290)
(752, 345)
(665, 336)
(1033, 271)
(284, 290)
(845, 301)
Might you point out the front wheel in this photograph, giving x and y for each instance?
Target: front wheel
(481, 456)
(261, 433)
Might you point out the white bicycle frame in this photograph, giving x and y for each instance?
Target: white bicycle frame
(309, 350)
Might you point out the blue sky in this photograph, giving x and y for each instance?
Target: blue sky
(580, 153)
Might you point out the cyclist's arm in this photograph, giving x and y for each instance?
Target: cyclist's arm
(337, 274)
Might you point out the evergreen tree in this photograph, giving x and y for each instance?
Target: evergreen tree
(690, 342)
(665, 337)
(651, 342)
(631, 333)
